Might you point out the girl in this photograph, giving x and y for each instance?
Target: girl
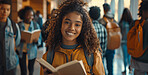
(27, 15)
(124, 24)
(71, 35)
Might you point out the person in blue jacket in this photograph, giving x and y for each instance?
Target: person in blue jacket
(30, 49)
(9, 38)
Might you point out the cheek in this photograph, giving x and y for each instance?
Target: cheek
(79, 30)
(8, 13)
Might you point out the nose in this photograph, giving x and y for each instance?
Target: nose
(71, 26)
(5, 11)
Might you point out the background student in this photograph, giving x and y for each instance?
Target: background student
(124, 23)
(94, 14)
(9, 39)
(29, 49)
(140, 64)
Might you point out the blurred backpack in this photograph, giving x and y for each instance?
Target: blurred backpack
(113, 34)
(135, 40)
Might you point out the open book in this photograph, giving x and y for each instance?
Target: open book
(30, 36)
(71, 68)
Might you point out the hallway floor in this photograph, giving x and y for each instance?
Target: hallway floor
(118, 63)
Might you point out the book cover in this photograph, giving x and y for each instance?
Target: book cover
(29, 36)
(71, 68)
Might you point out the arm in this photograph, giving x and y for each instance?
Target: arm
(98, 68)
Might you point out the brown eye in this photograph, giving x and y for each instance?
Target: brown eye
(77, 25)
(66, 22)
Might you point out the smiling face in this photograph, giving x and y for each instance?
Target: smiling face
(71, 28)
(4, 12)
(29, 16)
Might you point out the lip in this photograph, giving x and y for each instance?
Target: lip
(70, 33)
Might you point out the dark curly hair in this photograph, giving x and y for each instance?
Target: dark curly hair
(94, 12)
(143, 7)
(21, 12)
(87, 38)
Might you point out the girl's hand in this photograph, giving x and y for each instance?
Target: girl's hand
(46, 72)
(35, 40)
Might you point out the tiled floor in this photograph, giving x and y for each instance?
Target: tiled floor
(118, 63)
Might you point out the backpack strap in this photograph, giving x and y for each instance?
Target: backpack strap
(50, 55)
(90, 60)
(14, 27)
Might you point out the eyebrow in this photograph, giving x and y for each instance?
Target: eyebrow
(75, 21)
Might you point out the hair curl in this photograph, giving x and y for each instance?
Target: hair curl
(143, 7)
(87, 38)
(94, 12)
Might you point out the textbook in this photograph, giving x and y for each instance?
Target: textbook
(29, 36)
(71, 68)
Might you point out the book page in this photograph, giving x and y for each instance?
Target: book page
(29, 36)
(31, 32)
(36, 34)
(72, 68)
(25, 35)
(37, 30)
(45, 64)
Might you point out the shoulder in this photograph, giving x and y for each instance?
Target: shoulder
(102, 21)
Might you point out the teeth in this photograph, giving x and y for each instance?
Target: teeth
(70, 33)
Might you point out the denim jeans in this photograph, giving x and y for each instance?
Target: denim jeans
(109, 55)
(126, 56)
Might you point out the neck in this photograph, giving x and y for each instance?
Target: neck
(69, 42)
(27, 22)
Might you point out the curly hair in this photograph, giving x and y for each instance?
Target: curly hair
(87, 38)
(94, 12)
(21, 13)
(143, 6)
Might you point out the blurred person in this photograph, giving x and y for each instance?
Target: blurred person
(140, 64)
(38, 18)
(9, 39)
(29, 49)
(109, 54)
(94, 14)
(124, 23)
